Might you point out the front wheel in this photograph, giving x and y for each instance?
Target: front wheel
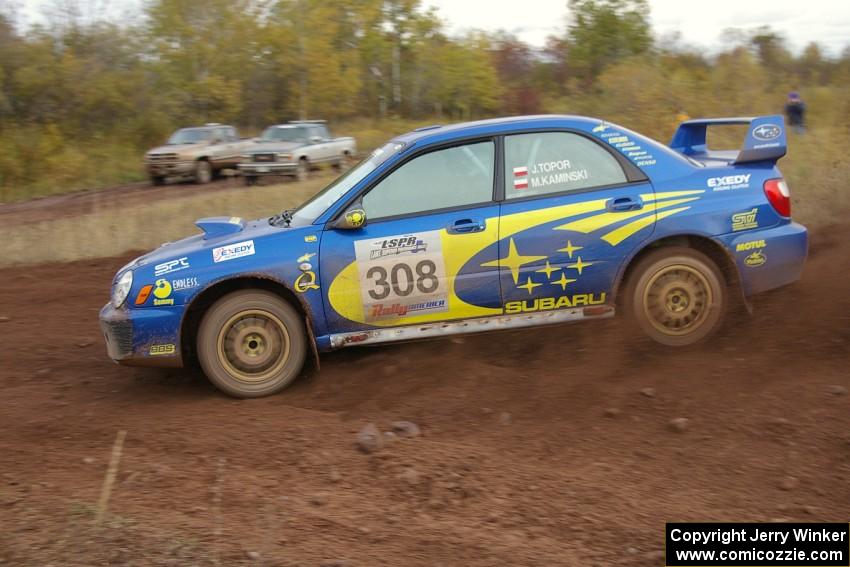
(203, 172)
(252, 343)
(677, 296)
(302, 170)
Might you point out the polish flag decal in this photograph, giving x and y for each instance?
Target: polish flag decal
(521, 178)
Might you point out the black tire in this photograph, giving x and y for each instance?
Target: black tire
(302, 170)
(250, 180)
(252, 343)
(157, 180)
(677, 296)
(203, 172)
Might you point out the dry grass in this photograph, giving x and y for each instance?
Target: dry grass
(114, 231)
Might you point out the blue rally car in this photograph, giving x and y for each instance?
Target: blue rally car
(487, 225)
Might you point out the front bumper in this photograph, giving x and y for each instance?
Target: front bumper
(169, 168)
(268, 168)
(769, 258)
(142, 337)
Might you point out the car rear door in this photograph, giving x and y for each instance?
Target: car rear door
(572, 211)
(428, 249)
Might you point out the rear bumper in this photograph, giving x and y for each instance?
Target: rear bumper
(769, 258)
(142, 337)
(267, 168)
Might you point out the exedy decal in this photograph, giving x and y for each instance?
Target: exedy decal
(233, 251)
(729, 182)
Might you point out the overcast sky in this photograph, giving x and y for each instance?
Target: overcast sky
(699, 22)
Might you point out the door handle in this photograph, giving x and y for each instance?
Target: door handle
(622, 204)
(464, 226)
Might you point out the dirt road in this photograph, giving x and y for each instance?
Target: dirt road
(545, 447)
(82, 202)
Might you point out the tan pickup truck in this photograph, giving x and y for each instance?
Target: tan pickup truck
(198, 153)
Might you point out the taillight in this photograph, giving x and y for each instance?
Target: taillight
(778, 196)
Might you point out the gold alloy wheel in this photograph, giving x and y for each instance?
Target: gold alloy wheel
(253, 345)
(677, 300)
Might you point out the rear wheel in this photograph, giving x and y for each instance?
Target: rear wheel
(252, 343)
(677, 296)
(157, 180)
(250, 180)
(203, 172)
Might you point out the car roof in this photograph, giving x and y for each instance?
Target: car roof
(435, 133)
(206, 127)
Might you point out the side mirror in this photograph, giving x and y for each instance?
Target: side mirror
(352, 219)
(315, 139)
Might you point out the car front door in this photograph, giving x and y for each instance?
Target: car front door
(572, 212)
(322, 147)
(427, 251)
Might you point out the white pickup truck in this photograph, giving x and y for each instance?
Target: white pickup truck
(294, 149)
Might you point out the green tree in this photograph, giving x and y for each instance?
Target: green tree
(603, 32)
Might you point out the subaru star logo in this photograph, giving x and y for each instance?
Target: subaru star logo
(767, 132)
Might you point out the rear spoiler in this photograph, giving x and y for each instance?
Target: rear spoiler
(765, 139)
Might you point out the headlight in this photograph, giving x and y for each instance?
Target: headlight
(122, 288)
(284, 156)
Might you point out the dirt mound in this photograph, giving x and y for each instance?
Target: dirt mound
(556, 446)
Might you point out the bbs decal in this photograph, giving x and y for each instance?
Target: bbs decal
(401, 275)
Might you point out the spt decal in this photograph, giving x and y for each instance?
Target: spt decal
(171, 266)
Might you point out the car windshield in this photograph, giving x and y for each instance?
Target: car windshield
(313, 208)
(284, 134)
(189, 136)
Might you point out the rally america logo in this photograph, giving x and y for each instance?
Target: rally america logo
(521, 177)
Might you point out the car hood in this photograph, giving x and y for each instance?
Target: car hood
(266, 147)
(177, 148)
(213, 235)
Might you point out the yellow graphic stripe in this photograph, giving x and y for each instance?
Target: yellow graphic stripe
(517, 222)
(670, 194)
(618, 235)
(596, 222)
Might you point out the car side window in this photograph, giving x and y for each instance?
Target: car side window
(322, 131)
(233, 136)
(553, 162)
(452, 177)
